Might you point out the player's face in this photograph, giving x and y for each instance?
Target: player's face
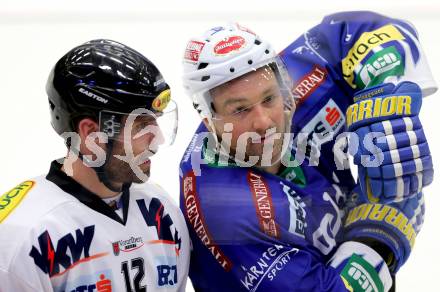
(122, 172)
(251, 103)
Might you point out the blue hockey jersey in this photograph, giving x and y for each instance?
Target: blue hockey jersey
(250, 229)
(254, 231)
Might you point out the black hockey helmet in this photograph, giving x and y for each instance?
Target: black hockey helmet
(106, 81)
(102, 75)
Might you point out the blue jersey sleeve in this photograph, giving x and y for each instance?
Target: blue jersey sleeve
(345, 53)
(358, 50)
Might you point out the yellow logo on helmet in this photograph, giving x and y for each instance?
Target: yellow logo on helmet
(11, 199)
(162, 100)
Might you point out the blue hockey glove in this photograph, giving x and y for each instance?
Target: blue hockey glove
(390, 229)
(393, 158)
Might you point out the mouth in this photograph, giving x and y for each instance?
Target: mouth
(148, 161)
(264, 138)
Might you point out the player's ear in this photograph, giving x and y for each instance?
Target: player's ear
(86, 127)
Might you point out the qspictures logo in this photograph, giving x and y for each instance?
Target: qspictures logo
(11, 199)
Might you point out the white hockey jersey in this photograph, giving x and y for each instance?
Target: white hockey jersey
(57, 236)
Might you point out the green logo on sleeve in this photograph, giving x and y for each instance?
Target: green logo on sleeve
(386, 62)
(361, 275)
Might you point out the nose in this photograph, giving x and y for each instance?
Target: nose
(152, 137)
(261, 120)
(156, 138)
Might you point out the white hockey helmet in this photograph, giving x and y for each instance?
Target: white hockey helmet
(221, 54)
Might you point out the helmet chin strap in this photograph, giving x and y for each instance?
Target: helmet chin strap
(99, 170)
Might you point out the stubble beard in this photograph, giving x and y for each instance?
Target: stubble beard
(119, 171)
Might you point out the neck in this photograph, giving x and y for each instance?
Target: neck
(273, 169)
(88, 178)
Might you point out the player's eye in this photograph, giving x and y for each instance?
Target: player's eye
(268, 99)
(241, 110)
(142, 125)
(138, 127)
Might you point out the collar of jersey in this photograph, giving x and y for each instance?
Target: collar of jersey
(294, 174)
(91, 200)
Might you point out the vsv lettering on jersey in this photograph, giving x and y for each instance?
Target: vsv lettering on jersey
(69, 251)
(297, 211)
(324, 236)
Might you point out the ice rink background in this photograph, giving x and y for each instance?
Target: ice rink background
(35, 34)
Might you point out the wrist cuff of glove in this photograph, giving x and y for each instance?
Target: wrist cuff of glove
(382, 249)
(382, 224)
(361, 267)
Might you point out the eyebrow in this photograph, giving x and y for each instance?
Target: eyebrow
(241, 99)
(143, 119)
(232, 101)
